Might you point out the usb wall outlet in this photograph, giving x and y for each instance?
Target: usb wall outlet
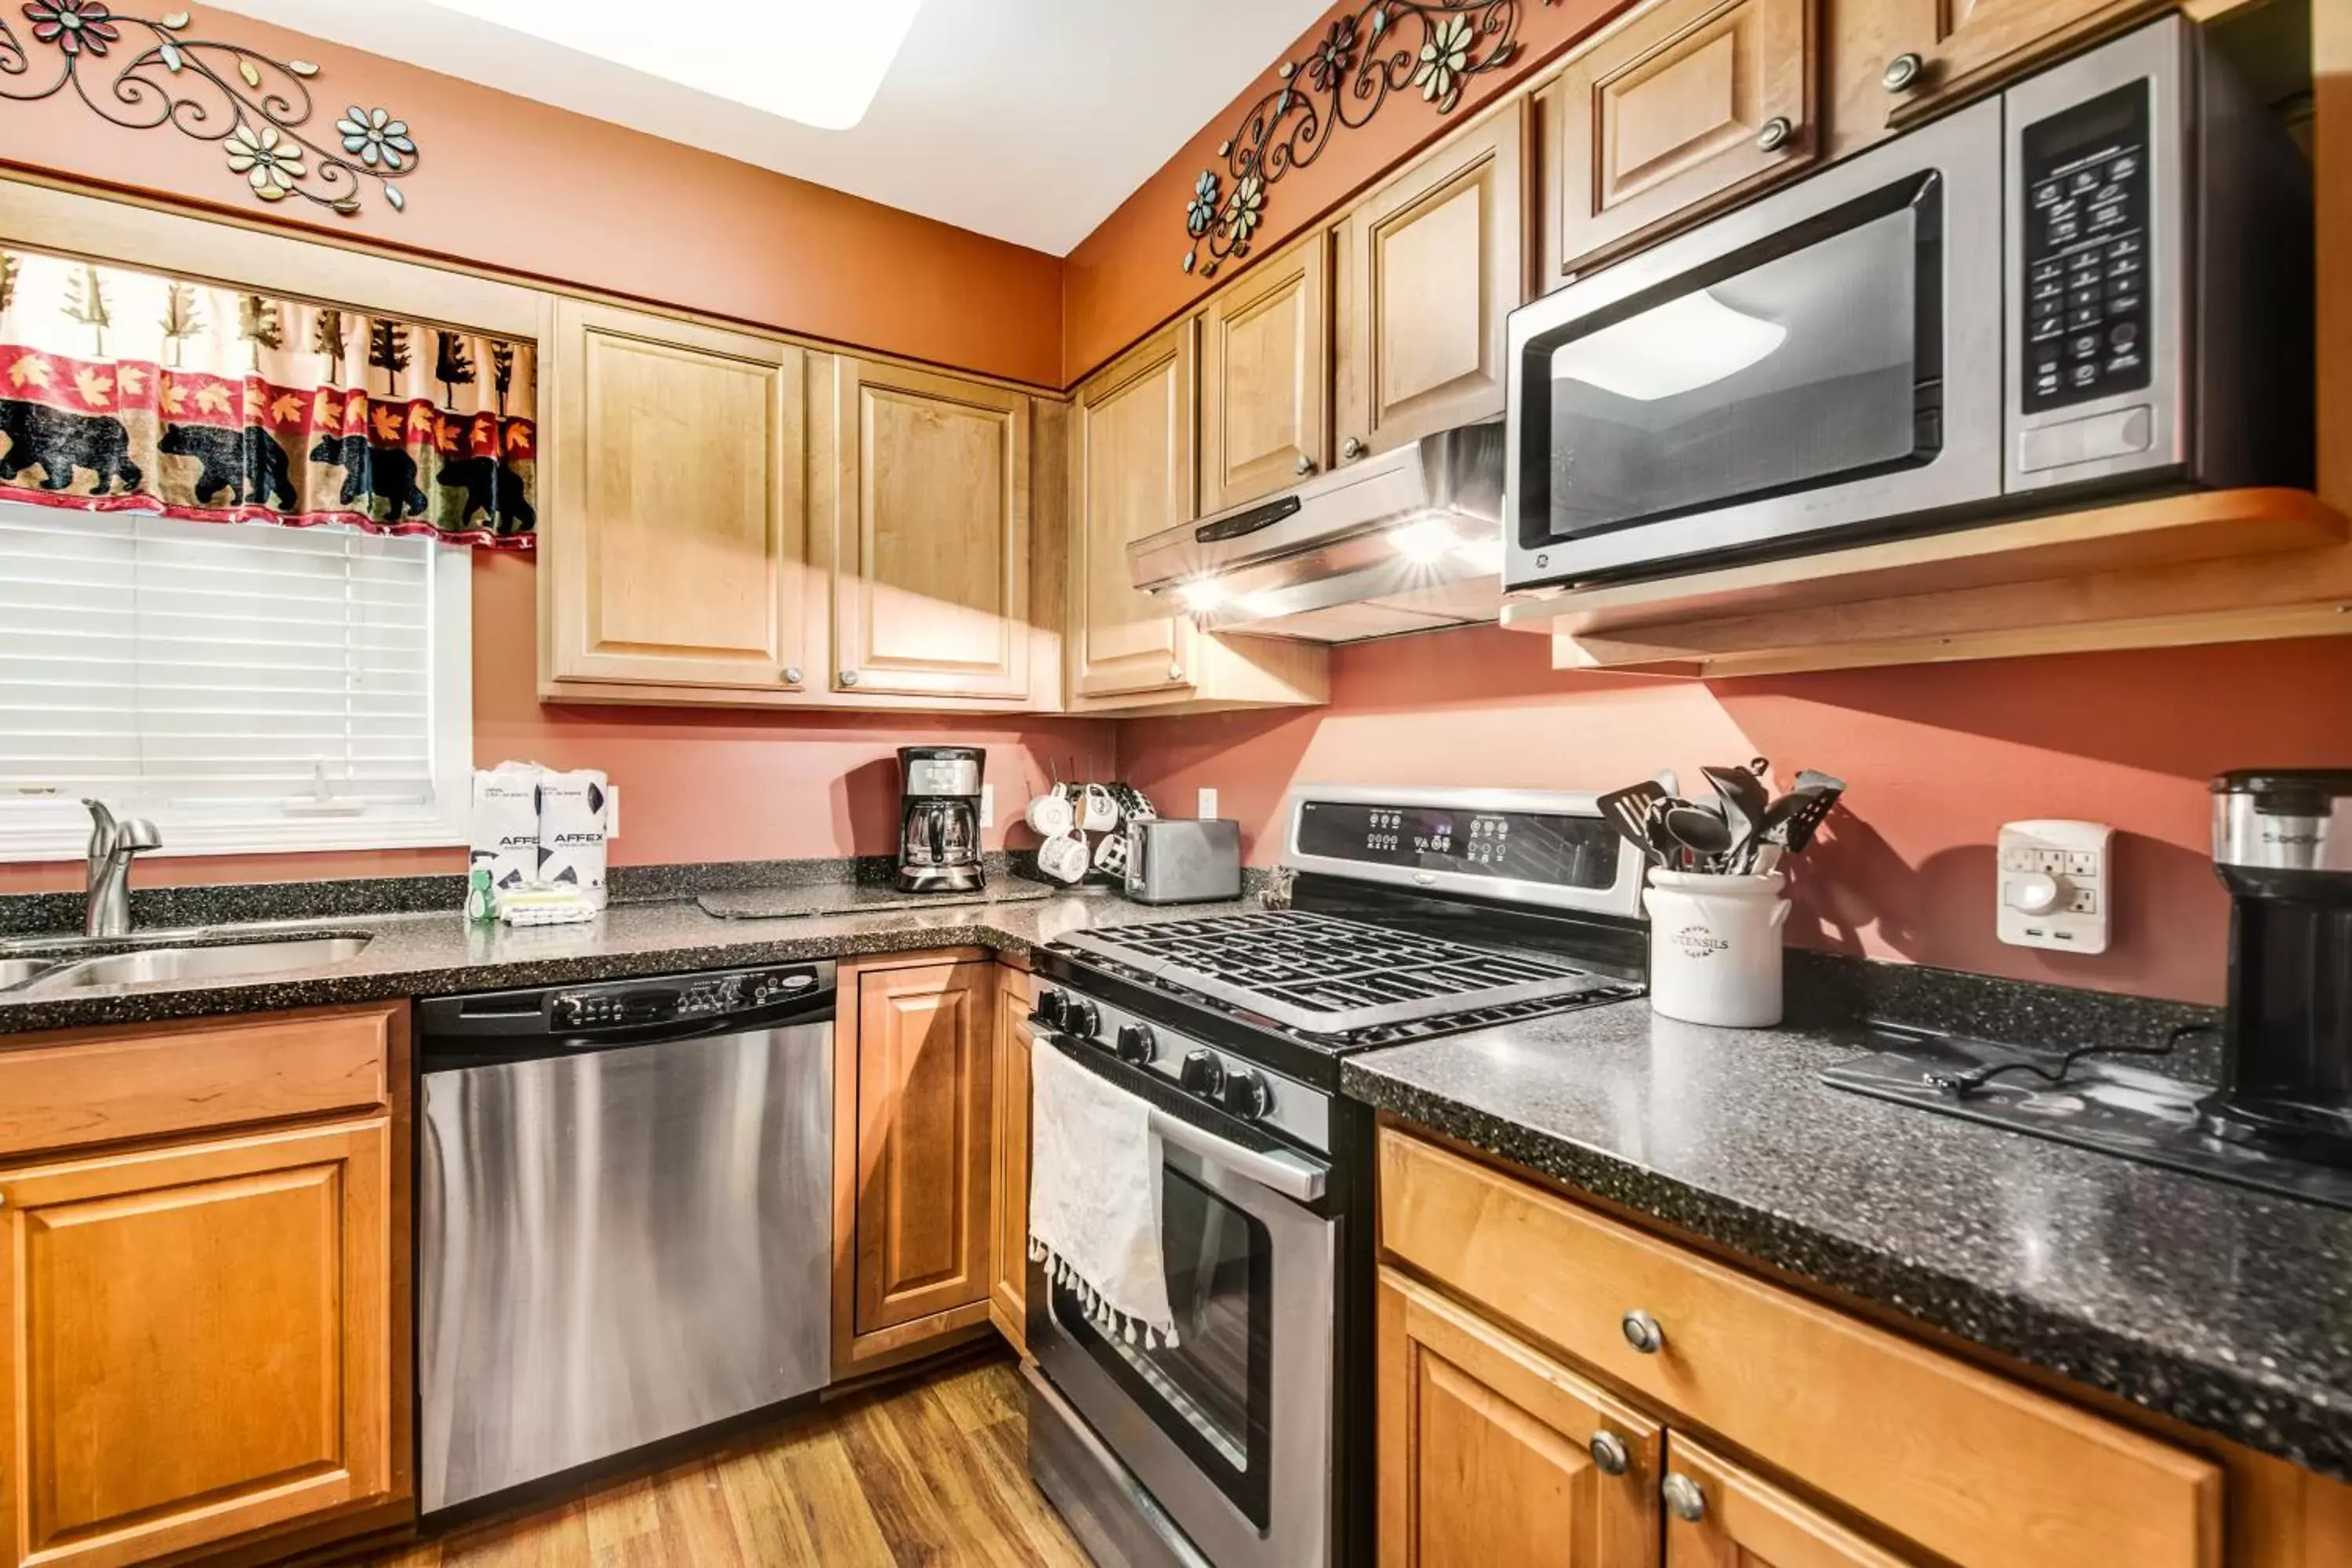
(2053, 885)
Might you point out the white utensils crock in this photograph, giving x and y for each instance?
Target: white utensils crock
(1714, 947)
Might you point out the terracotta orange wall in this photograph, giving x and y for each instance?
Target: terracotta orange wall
(1124, 278)
(696, 784)
(508, 182)
(1938, 757)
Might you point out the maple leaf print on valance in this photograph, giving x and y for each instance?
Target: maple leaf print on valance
(130, 391)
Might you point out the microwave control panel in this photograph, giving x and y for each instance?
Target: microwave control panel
(2087, 321)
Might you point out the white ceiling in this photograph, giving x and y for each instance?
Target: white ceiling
(1027, 120)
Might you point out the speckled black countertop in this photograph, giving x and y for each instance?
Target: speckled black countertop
(2224, 1308)
(438, 953)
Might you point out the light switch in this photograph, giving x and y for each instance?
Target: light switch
(1207, 807)
(2054, 888)
(988, 805)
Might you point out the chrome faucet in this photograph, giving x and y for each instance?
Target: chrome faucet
(111, 846)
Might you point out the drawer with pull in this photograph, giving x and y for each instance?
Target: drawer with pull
(1967, 1464)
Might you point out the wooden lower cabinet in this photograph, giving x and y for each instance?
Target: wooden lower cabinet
(915, 1108)
(1487, 1449)
(199, 1343)
(1736, 1519)
(1008, 1292)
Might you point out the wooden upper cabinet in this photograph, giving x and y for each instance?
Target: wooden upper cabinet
(1265, 374)
(1429, 265)
(676, 550)
(1131, 471)
(930, 534)
(925, 1160)
(1745, 1521)
(1961, 46)
(1684, 108)
(1490, 1454)
(195, 1343)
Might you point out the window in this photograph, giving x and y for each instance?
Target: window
(250, 689)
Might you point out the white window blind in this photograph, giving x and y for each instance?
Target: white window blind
(249, 687)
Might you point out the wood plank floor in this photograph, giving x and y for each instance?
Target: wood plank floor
(932, 1473)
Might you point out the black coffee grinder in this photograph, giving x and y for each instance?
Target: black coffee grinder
(2282, 845)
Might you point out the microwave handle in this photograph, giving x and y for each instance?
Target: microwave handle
(1273, 1169)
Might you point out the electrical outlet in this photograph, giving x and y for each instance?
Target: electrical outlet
(1206, 807)
(2052, 885)
(988, 805)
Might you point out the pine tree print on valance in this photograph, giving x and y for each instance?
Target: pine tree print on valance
(129, 391)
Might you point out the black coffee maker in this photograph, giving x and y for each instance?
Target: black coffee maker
(939, 819)
(2283, 844)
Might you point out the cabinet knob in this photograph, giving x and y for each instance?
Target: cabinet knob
(1685, 1498)
(1775, 133)
(1351, 449)
(792, 675)
(1609, 1456)
(1642, 1331)
(849, 677)
(1306, 464)
(1903, 72)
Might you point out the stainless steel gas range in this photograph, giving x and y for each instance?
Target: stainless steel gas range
(1247, 1442)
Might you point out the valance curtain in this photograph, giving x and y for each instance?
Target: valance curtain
(129, 391)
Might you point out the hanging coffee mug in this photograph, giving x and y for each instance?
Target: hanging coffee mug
(1063, 858)
(1098, 812)
(1052, 816)
(1110, 855)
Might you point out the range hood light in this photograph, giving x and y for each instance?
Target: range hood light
(1201, 594)
(1424, 541)
(1690, 341)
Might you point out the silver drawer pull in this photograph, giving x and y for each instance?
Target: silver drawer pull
(1685, 1498)
(1642, 1331)
(1775, 133)
(1609, 1456)
(1903, 72)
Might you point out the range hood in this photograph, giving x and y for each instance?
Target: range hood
(1407, 541)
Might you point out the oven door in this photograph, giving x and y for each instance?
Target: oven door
(1229, 1429)
(1823, 362)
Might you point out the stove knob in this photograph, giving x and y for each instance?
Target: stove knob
(1246, 1095)
(1137, 1044)
(1203, 1073)
(1080, 1017)
(1048, 1010)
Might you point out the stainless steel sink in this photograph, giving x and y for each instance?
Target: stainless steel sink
(15, 971)
(224, 962)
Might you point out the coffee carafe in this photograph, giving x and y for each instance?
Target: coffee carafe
(2282, 845)
(938, 820)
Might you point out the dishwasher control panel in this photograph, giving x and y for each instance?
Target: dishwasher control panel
(681, 999)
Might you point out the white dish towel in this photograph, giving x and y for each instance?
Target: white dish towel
(1094, 1197)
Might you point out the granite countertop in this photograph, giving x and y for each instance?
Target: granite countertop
(2225, 1308)
(440, 953)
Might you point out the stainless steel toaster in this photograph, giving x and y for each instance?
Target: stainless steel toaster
(1183, 861)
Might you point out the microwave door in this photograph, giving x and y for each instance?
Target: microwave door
(1792, 370)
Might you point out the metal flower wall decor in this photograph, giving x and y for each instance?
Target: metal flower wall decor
(1430, 47)
(256, 108)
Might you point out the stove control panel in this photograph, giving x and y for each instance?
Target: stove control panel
(1217, 1077)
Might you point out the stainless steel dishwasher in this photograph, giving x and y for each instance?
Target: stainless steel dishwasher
(624, 1216)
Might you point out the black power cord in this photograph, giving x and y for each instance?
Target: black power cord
(1960, 1085)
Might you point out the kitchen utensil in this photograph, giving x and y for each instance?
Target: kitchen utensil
(1705, 834)
(1632, 810)
(1666, 851)
(1813, 803)
(1745, 801)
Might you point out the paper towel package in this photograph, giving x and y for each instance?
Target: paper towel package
(576, 817)
(506, 823)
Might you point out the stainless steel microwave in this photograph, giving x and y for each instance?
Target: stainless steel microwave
(2095, 282)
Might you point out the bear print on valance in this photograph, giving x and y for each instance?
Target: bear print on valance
(130, 391)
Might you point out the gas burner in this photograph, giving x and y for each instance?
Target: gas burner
(1342, 984)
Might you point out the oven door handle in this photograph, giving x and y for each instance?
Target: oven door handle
(1273, 1169)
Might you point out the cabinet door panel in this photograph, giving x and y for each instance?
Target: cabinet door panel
(1133, 473)
(1485, 1449)
(1745, 1522)
(677, 554)
(1008, 1297)
(1266, 369)
(1667, 118)
(1964, 45)
(1430, 265)
(930, 548)
(924, 1141)
(199, 1343)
